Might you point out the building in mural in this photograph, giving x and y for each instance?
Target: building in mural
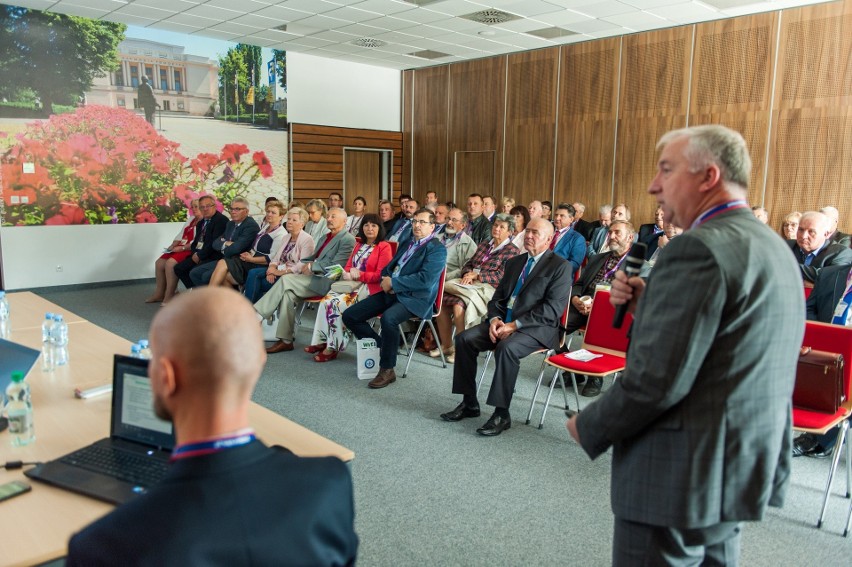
(183, 83)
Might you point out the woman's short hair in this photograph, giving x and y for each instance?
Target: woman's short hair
(303, 214)
(275, 204)
(371, 218)
(508, 220)
(523, 211)
(317, 204)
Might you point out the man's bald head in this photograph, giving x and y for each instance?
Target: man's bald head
(211, 341)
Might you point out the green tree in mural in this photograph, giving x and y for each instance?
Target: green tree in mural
(238, 63)
(54, 55)
(281, 67)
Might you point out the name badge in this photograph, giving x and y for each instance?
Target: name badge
(199, 246)
(841, 308)
(511, 304)
(396, 270)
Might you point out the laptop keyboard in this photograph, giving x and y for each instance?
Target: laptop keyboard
(118, 464)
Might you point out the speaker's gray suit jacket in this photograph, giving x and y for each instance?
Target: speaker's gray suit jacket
(700, 420)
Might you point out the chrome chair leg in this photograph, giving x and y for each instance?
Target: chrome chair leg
(535, 393)
(835, 458)
(484, 370)
(411, 348)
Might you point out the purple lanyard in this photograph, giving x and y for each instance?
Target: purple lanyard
(360, 259)
(609, 274)
(287, 249)
(717, 210)
(412, 248)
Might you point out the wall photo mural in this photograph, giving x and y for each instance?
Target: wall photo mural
(101, 123)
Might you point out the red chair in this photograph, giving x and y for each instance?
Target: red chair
(836, 339)
(809, 287)
(600, 338)
(436, 310)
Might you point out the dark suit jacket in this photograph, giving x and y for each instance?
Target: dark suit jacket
(584, 228)
(416, 284)
(241, 237)
(830, 255)
(250, 505)
(700, 420)
(841, 238)
(827, 292)
(480, 229)
(215, 228)
(405, 236)
(645, 230)
(541, 300)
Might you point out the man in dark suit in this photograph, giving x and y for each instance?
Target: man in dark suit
(409, 288)
(238, 237)
(400, 231)
(813, 248)
(583, 227)
(700, 420)
(211, 227)
(828, 302)
(836, 236)
(523, 316)
(478, 227)
(227, 499)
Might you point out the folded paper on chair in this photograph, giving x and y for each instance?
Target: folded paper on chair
(819, 381)
(582, 355)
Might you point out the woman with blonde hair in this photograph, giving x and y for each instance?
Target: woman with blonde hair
(508, 204)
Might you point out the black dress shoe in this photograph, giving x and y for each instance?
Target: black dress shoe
(819, 452)
(495, 426)
(804, 444)
(462, 411)
(592, 387)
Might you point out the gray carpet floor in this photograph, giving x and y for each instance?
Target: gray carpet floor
(430, 492)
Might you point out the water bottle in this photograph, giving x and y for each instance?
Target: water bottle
(60, 340)
(144, 350)
(4, 316)
(134, 351)
(19, 410)
(46, 328)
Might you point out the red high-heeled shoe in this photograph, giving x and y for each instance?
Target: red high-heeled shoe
(322, 357)
(311, 349)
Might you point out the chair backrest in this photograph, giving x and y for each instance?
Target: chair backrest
(600, 334)
(563, 321)
(439, 301)
(809, 287)
(832, 338)
(394, 246)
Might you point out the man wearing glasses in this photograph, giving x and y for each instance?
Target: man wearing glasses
(409, 288)
(211, 227)
(238, 237)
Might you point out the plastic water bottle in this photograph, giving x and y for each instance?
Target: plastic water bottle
(4, 316)
(19, 409)
(60, 340)
(144, 350)
(46, 328)
(134, 351)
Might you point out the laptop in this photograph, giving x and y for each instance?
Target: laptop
(14, 357)
(133, 458)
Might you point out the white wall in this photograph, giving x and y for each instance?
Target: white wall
(87, 254)
(337, 93)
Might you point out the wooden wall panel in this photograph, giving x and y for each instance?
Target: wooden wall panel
(810, 156)
(407, 130)
(476, 111)
(317, 158)
(530, 126)
(732, 83)
(653, 99)
(431, 169)
(588, 103)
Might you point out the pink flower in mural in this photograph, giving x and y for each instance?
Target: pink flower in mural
(231, 153)
(145, 217)
(263, 164)
(69, 213)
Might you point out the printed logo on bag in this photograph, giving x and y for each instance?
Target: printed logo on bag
(369, 363)
(365, 344)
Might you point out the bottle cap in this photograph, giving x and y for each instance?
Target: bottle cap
(57, 317)
(17, 376)
(48, 315)
(143, 343)
(135, 348)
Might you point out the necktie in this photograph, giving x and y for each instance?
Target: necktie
(517, 289)
(555, 239)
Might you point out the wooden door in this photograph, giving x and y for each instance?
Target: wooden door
(362, 177)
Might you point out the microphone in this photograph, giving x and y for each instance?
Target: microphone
(632, 266)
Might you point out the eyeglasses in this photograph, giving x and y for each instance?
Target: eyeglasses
(418, 221)
(205, 207)
(456, 220)
(234, 209)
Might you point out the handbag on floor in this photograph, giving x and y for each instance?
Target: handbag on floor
(368, 358)
(269, 326)
(819, 381)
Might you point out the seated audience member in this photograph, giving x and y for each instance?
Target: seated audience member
(600, 231)
(478, 225)
(409, 287)
(316, 227)
(508, 205)
(334, 249)
(353, 222)
(790, 226)
(547, 210)
(761, 214)
(285, 258)
(669, 232)
(813, 249)
(361, 278)
(460, 247)
(335, 200)
(619, 212)
(522, 219)
(234, 270)
(431, 200)
(566, 243)
(294, 204)
(386, 214)
(466, 298)
(836, 236)
(227, 499)
(441, 214)
(489, 207)
(523, 316)
(535, 209)
(599, 271)
(402, 199)
(180, 249)
(829, 302)
(581, 226)
(401, 230)
(210, 228)
(239, 234)
(649, 232)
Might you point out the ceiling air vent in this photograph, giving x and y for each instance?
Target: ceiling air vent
(491, 16)
(282, 27)
(429, 54)
(421, 2)
(368, 42)
(551, 33)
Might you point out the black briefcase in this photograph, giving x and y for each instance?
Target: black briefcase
(819, 381)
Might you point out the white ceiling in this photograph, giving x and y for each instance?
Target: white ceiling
(327, 28)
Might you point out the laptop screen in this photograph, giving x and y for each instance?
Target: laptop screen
(133, 416)
(14, 357)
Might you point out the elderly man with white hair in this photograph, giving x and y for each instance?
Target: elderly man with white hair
(812, 247)
(836, 236)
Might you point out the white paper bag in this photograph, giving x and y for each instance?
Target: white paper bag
(269, 327)
(368, 358)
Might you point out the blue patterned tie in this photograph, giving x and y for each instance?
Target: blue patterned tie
(517, 289)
